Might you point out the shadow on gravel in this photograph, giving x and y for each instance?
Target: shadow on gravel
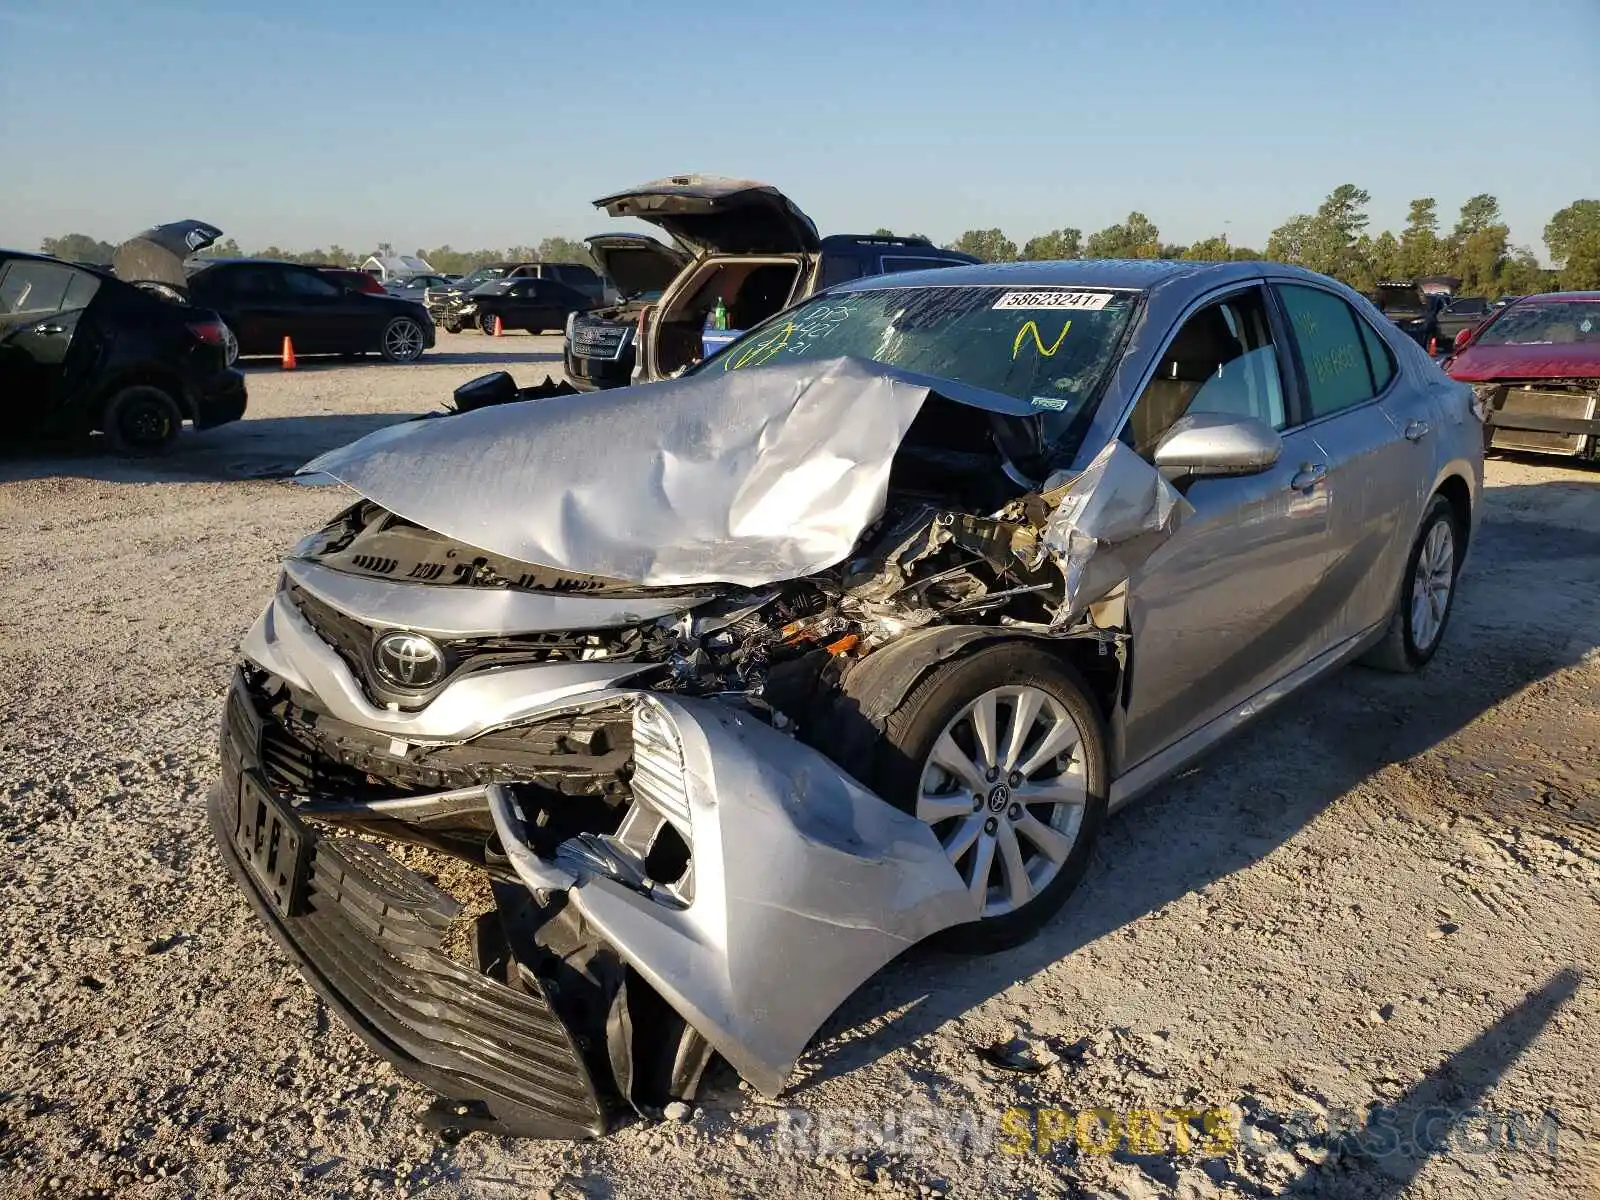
(263, 448)
(1255, 793)
(1439, 1116)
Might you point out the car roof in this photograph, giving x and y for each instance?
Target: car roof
(204, 264)
(1138, 274)
(1590, 297)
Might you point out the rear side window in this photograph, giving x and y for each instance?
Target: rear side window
(837, 268)
(41, 288)
(1333, 350)
(250, 281)
(305, 283)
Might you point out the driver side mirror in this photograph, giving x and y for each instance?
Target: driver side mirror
(1463, 340)
(1212, 444)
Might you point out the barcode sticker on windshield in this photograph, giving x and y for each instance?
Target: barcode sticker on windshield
(1078, 300)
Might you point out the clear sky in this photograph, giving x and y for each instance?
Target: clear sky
(496, 122)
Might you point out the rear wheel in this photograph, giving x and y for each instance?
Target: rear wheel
(142, 420)
(1427, 594)
(230, 345)
(403, 340)
(1002, 754)
(486, 323)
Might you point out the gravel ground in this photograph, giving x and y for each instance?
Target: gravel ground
(1385, 893)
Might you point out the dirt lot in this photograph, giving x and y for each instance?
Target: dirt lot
(1386, 893)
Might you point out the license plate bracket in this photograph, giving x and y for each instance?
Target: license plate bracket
(272, 843)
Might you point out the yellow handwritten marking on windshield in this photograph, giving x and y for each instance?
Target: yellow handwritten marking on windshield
(1048, 351)
(763, 351)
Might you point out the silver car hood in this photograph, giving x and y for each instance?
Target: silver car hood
(746, 477)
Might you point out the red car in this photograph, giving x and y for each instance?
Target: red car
(1535, 365)
(356, 281)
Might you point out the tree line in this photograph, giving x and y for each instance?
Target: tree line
(1333, 240)
(80, 247)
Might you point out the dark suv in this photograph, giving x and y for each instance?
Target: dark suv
(734, 240)
(444, 304)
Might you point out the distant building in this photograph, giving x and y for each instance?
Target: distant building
(399, 266)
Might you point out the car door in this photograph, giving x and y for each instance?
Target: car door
(324, 317)
(1374, 434)
(249, 297)
(1235, 600)
(47, 339)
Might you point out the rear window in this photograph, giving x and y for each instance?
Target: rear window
(1545, 323)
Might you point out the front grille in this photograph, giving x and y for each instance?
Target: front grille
(369, 939)
(599, 340)
(353, 640)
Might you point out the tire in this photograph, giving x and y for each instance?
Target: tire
(230, 345)
(1427, 595)
(142, 420)
(973, 810)
(452, 325)
(486, 324)
(403, 341)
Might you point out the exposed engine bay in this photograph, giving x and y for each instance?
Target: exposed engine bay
(636, 714)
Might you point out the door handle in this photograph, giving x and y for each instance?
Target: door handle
(49, 329)
(1308, 476)
(1417, 430)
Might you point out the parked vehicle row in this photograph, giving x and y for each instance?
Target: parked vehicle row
(446, 304)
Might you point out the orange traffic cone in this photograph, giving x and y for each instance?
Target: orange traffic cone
(1433, 346)
(498, 327)
(288, 354)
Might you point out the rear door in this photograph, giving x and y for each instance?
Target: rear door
(251, 299)
(1236, 599)
(323, 317)
(47, 338)
(1375, 435)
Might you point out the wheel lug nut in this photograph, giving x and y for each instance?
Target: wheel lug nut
(990, 825)
(977, 800)
(1014, 812)
(1016, 779)
(994, 773)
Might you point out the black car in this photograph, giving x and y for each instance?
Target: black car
(523, 302)
(445, 303)
(736, 241)
(264, 302)
(1413, 308)
(81, 350)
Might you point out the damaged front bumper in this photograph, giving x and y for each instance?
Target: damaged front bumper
(797, 885)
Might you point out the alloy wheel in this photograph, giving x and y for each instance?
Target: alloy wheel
(402, 341)
(1005, 791)
(1431, 584)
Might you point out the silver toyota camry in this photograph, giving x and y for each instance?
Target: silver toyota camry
(605, 733)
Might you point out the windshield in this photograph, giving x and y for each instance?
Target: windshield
(1548, 323)
(481, 275)
(1048, 347)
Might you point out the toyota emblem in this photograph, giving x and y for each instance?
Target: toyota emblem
(408, 660)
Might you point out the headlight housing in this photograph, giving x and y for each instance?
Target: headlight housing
(1483, 399)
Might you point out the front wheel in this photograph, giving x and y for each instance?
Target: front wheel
(1002, 753)
(403, 340)
(142, 420)
(1427, 594)
(486, 324)
(452, 324)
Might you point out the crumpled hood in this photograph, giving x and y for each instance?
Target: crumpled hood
(1479, 364)
(742, 477)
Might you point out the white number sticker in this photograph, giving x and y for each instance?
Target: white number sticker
(1078, 300)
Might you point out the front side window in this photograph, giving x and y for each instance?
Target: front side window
(1222, 360)
(1049, 347)
(251, 281)
(29, 288)
(1545, 323)
(1333, 352)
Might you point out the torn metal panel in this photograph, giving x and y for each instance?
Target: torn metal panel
(1105, 522)
(774, 941)
(747, 477)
